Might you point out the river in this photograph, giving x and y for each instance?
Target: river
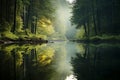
(60, 60)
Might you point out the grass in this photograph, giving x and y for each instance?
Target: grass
(101, 39)
(106, 37)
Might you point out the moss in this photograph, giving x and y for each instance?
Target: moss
(9, 35)
(19, 24)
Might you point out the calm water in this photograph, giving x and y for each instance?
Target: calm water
(60, 61)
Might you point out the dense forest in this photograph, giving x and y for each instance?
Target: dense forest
(26, 19)
(36, 19)
(59, 39)
(97, 19)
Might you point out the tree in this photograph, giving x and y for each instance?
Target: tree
(97, 16)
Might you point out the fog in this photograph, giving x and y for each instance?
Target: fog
(62, 23)
(64, 51)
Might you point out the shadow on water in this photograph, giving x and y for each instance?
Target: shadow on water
(58, 61)
(25, 62)
(97, 62)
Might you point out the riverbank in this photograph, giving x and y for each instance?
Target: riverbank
(23, 41)
(100, 39)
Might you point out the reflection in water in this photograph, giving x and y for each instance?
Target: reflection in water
(34, 62)
(98, 62)
(71, 77)
(59, 61)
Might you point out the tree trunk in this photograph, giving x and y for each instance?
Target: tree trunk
(6, 10)
(95, 54)
(88, 26)
(32, 26)
(85, 28)
(87, 21)
(24, 66)
(94, 20)
(24, 18)
(28, 16)
(1, 11)
(36, 56)
(98, 22)
(14, 63)
(14, 26)
(36, 26)
(85, 55)
(98, 10)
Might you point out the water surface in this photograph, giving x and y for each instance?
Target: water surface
(60, 61)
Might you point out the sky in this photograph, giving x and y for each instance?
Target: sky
(63, 15)
(71, 1)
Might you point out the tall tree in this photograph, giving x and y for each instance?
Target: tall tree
(15, 8)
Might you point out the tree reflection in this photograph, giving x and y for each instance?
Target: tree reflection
(98, 63)
(26, 62)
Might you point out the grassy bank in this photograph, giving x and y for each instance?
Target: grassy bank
(101, 39)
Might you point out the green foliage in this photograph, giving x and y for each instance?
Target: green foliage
(46, 8)
(19, 24)
(45, 26)
(37, 36)
(10, 35)
(80, 33)
(97, 16)
(20, 6)
(43, 53)
(5, 26)
(9, 48)
(28, 15)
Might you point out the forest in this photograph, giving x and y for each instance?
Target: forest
(97, 19)
(59, 39)
(26, 19)
(34, 20)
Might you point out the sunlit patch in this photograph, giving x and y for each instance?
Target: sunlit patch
(71, 1)
(46, 56)
(71, 77)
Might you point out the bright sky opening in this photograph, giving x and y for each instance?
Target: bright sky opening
(70, 1)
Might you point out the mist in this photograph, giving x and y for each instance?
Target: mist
(62, 60)
(62, 23)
